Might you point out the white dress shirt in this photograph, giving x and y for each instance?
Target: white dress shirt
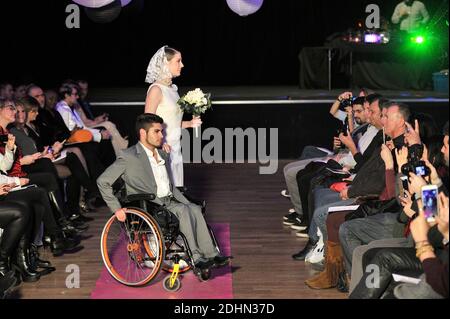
(417, 16)
(72, 119)
(160, 173)
(7, 160)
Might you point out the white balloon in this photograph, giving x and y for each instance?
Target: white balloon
(125, 2)
(245, 7)
(99, 3)
(93, 3)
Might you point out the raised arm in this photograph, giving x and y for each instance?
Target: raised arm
(425, 14)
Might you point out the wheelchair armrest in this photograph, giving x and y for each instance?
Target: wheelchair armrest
(140, 197)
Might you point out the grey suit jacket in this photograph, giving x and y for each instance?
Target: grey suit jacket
(136, 171)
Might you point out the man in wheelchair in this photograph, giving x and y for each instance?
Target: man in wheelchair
(144, 169)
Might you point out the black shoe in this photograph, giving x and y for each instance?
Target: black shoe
(302, 254)
(202, 264)
(220, 261)
(71, 231)
(80, 219)
(299, 224)
(290, 218)
(7, 283)
(60, 245)
(43, 267)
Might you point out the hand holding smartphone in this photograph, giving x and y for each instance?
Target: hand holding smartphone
(430, 202)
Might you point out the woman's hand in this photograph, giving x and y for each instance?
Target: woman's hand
(24, 181)
(30, 159)
(442, 219)
(57, 147)
(419, 228)
(406, 202)
(412, 135)
(416, 183)
(344, 194)
(4, 189)
(196, 121)
(386, 155)
(402, 157)
(11, 143)
(167, 148)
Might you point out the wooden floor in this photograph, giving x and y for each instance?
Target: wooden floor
(261, 245)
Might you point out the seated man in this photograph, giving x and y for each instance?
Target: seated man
(144, 170)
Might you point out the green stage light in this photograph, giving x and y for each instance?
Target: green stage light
(419, 39)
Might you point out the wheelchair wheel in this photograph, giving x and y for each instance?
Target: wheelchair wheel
(175, 287)
(133, 251)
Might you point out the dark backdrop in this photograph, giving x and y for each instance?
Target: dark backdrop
(218, 46)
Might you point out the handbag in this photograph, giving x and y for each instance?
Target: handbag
(80, 136)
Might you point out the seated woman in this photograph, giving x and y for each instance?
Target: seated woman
(69, 166)
(41, 173)
(31, 208)
(430, 257)
(14, 220)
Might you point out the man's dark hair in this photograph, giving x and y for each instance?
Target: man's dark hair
(445, 130)
(383, 103)
(359, 100)
(146, 120)
(66, 89)
(372, 98)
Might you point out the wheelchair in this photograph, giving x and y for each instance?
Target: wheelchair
(149, 240)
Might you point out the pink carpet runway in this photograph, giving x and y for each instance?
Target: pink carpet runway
(220, 286)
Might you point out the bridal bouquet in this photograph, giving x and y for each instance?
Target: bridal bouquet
(195, 102)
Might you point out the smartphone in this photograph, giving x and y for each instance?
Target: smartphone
(384, 136)
(404, 180)
(430, 202)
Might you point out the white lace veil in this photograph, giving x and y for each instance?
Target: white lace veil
(158, 67)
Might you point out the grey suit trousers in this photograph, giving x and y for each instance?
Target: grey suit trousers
(194, 228)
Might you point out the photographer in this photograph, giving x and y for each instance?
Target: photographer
(389, 258)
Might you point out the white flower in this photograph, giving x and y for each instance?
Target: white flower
(196, 97)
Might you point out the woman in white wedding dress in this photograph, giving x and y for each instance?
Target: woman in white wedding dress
(162, 98)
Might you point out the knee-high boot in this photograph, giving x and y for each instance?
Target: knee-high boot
(334, 265)
(21, 262)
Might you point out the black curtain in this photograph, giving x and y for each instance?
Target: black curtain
(218, 46)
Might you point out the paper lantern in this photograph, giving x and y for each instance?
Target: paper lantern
(93, 3)
(105, 14)
(99, 3)
(245, 7)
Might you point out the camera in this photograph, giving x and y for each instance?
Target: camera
(347, 102)
(415, 165)
(3, 138)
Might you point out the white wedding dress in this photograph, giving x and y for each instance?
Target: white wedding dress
(172, 115)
